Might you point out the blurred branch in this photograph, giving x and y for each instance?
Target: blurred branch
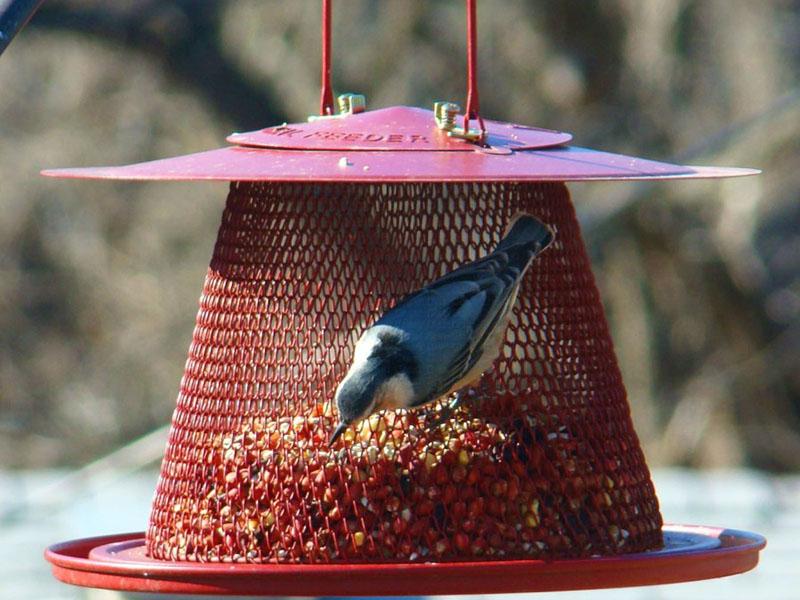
(695, 410)
(717, 142)
(185, 37)
(597, 222)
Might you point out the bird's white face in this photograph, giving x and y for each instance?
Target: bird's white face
(396, 392)
(392, 392)
(364, 348)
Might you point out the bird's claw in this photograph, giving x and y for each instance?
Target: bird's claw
(447, 411)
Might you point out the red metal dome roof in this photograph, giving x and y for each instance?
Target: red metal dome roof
(398, 144)
(393, 129)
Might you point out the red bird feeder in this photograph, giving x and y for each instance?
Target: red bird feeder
(537, 484)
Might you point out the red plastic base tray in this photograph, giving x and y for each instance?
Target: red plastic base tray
(691, 553)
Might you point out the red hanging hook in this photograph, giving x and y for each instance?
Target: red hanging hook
(473, 103)
(326, 98)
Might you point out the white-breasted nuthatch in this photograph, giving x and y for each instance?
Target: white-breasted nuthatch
(442, 337)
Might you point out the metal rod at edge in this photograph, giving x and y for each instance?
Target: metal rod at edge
(14, 14)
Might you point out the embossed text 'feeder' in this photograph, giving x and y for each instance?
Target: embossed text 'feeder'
(540, 484)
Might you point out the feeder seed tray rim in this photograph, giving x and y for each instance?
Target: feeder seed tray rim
(692, 553)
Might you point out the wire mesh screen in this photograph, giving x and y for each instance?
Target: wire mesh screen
(540, 461)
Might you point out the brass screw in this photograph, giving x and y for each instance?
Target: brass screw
(445, 114)
(351, 104)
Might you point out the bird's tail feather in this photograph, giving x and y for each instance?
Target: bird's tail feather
(526, 233)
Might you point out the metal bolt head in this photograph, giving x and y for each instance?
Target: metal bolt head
(445, 114)
(351, 104)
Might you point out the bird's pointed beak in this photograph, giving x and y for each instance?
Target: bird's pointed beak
(337, 432)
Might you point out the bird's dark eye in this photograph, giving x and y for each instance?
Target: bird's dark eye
(388, 338)
(395, 359)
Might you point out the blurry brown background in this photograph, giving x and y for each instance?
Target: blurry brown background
(99, 281)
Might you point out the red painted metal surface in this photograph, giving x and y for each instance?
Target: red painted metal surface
(326, 92)
(254, 164)
(309, 252)
(398, 144)
(396, 129)
(692, 553)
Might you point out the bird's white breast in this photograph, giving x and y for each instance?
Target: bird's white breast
(395, 392)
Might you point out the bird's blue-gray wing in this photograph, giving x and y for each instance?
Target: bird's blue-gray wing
(497, 281)
(448, 321)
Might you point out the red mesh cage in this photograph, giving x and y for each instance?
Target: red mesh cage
(542, 461)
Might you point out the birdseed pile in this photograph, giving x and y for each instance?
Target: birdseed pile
(540, 461)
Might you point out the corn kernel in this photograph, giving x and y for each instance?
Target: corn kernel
(430, 460)
(372, 455)
(534, 508)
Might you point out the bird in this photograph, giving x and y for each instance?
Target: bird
(442, 337)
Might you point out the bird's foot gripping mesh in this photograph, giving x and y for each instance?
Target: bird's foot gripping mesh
(540, 461)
